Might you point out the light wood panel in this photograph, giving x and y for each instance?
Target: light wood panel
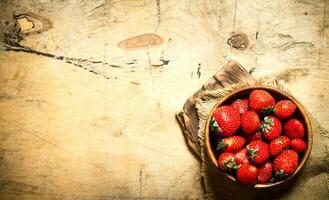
(85, 118)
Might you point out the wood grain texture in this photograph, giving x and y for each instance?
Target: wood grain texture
(82, 118)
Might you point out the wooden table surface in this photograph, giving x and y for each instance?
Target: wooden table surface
(89, 89)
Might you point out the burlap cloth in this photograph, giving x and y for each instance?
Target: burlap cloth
(311, 183)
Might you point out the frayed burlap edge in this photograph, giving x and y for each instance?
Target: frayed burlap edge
(205, 103)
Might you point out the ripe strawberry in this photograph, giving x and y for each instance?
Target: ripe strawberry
(253, 136)
(231, 144)
(285, 164)
(249, 121)
(226, 120)
(265, 173)
(278, 145)
(294, 129)
(247, 175)
(241, 157)
(284, 109)
(260, 100)
(241, 104)
(270, 127)
(258, 152)
(226, 162)
(298, 145)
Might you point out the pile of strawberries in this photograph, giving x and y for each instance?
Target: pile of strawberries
(258, 139)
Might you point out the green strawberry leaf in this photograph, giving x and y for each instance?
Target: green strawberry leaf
(237, 166)
(231, 165)
(266, 125)
(214, 127)
(279, 175)
(251, 152)
(268, 120)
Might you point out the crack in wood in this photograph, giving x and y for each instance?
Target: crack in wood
(199, 70)
(95, 8)
(13, 36)
(73, 61)
(234, 19)
(252, 70)
(162, 60)
(322, 33)
(155, 30)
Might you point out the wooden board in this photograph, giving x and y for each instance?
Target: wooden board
(231, 73)
(88, 106)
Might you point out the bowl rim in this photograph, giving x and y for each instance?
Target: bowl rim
(270, 89)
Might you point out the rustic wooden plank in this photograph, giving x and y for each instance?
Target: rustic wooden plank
(96, 120)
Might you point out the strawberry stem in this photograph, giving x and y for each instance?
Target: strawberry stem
(280, 175)
(230, 164)
(251, 152)
(221, 145)
(267, 111)
(266, 125)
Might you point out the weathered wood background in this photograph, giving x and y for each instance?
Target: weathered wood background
(89, 89)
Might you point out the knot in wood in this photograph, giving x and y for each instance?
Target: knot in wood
(239, 41)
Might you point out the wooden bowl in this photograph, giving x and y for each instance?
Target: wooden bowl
(278, 94)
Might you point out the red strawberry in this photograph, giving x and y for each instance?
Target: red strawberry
(298, 145)
(260, 100)
(231, 144)
(241, 104)
(226, 120)
(294, 129)
(247, 175)
(258, 152)
(285, 164)
(253, 136)
(226, 162)
(249, 121)
(270, 127)
(279, 144)
(284, 109)
(265, 173)
(241, 157)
